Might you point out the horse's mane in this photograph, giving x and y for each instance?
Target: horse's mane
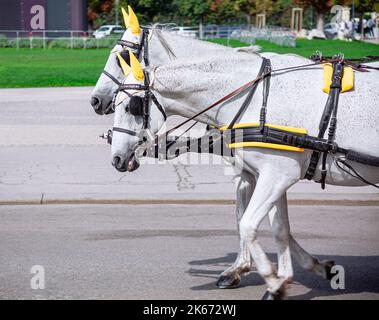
(156, 29)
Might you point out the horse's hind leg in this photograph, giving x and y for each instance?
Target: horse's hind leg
(231, 277)
(310, 263)
(278, 217)
(281, 229)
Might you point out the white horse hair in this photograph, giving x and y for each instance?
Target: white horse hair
(186, 86)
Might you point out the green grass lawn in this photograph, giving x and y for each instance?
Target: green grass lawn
(65, 67)
(50, 68)
(306, 47)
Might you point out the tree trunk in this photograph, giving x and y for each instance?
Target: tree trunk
(249, 19)
(320, 18)
(201, 34)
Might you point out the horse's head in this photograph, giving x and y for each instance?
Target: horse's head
(135, 121)
(103, 93)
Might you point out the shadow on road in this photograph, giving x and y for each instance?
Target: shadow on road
(361, 275)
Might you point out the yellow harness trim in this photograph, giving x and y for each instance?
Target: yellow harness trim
(274, 126)
(347, 79)
(265, 144)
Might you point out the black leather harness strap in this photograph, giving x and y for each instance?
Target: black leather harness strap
(329, 115)
(110, 76)
(265, 67)
(122, 130)
(265, 74)
(144, 44)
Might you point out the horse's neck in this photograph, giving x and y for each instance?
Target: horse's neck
(187, 87)
(182, 47)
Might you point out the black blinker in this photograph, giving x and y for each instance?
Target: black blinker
(125, 55)
(136, 106)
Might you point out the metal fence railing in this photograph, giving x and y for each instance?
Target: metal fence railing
(277, 35)
(70, 39)
(73, 39)
(249, 35)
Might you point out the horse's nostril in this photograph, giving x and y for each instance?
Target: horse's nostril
(96, 103)
(116, 161)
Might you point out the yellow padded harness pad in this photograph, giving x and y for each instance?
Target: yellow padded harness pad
(256, 144)
(347, 79)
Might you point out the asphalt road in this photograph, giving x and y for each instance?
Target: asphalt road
(172, 251)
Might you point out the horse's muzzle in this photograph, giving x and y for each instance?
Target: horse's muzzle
(123, 165)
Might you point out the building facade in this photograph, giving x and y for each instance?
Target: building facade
(34, 15)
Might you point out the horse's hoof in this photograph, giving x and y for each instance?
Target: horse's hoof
(273, 296)
(229, 281)
(279, 294)
(328, 265)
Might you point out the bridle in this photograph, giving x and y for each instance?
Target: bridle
(139, 106)
(137, 49)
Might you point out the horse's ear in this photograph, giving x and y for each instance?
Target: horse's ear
(133, 22)
(126, 17)
(124, 66)
(136, 67)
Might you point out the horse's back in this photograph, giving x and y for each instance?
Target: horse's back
(298, 100)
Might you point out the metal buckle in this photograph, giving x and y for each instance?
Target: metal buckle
(107, 136)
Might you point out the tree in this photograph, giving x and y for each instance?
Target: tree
(222, 11)
(194, 11)
(99, 12)
(148, 10)
(321, 7)
(253, 7)
(364, 6)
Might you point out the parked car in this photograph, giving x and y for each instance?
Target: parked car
(186, 31)
(331, 30)
(107, 30)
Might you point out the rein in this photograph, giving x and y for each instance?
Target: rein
(318, 60)
(239, 90)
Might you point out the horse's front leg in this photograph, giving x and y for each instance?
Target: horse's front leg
(270, 190)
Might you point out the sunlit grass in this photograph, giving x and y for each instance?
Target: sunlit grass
(65, 67)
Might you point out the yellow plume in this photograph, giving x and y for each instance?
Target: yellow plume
(124, 66)
(126, 17)
(133, 22)
(136, 67)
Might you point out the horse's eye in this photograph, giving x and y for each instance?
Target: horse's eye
(127, 108)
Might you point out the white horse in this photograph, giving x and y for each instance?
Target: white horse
(161, 45)
(186, 86)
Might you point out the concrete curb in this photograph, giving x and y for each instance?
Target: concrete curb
(294, 202)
